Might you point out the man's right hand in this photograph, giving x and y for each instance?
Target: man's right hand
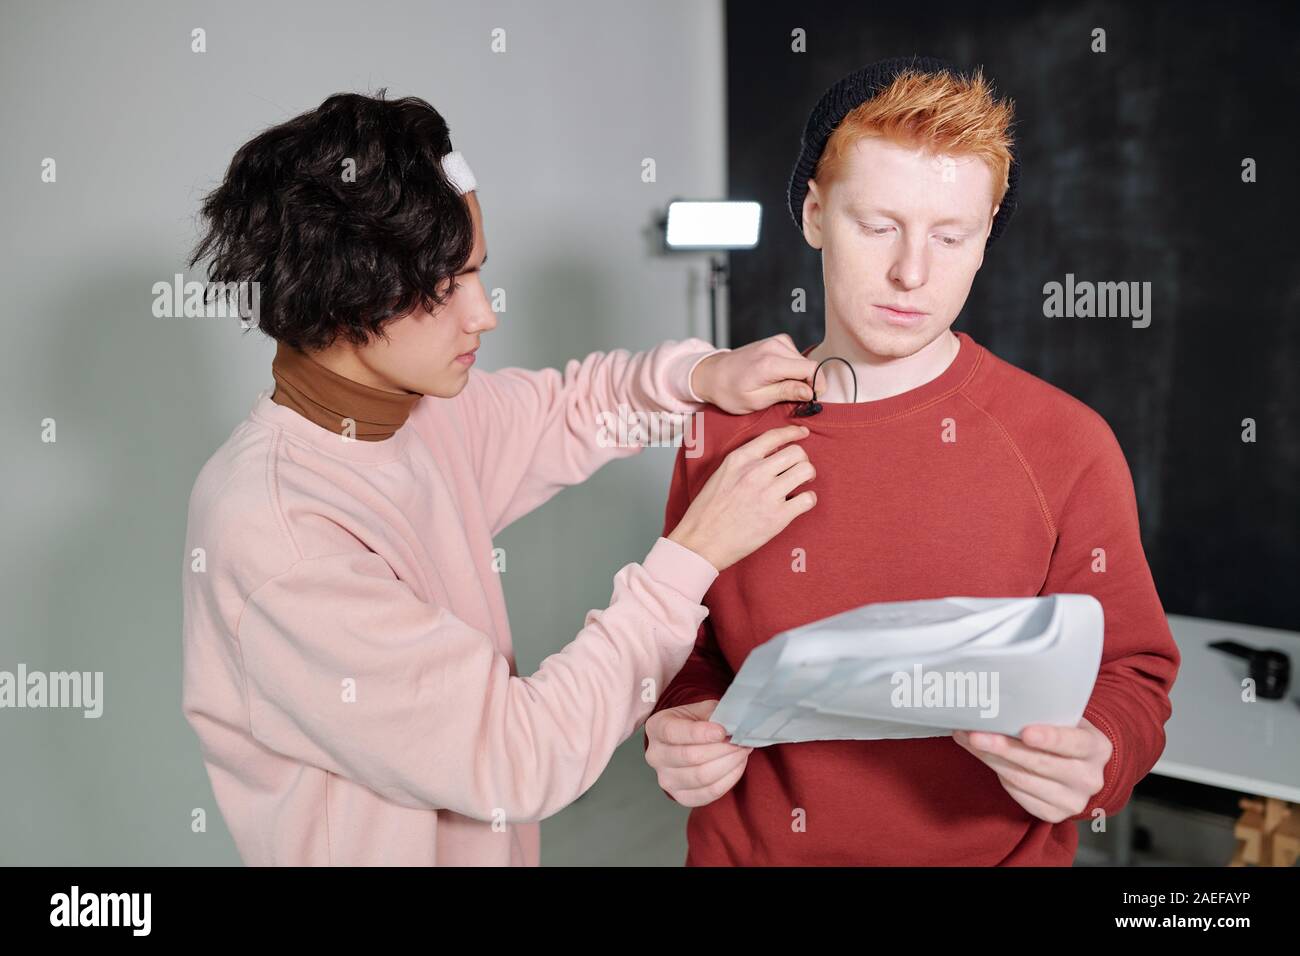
(695, 762)
(743, 505)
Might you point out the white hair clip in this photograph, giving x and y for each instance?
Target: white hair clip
(458, 171)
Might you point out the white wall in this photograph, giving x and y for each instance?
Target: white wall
(140, 127)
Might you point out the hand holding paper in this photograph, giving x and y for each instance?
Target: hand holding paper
(1051, 771)
(690, 754)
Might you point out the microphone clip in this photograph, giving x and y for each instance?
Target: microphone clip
(814, 407)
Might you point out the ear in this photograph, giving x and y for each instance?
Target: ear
(813, 210)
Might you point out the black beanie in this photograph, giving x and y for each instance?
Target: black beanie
(850, 92)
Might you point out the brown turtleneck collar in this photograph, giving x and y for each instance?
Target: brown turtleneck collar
(327, 398)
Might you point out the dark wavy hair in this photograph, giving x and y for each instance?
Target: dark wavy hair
(336, 258)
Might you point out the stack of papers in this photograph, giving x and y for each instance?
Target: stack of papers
(920, 669)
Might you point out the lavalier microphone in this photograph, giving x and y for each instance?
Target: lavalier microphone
(812, 406)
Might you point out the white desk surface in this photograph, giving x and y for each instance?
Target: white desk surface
(1216, 738)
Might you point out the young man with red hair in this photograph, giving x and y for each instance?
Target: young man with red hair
(949, 472)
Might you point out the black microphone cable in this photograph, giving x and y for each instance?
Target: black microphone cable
(812, 406)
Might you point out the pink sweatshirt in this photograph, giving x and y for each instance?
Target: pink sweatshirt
(348, 665)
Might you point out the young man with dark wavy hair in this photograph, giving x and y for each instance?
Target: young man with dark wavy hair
(348, 665)
(942, 471)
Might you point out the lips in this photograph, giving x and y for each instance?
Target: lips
(901, 318)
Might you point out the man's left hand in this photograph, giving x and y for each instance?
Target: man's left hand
(1051, 771)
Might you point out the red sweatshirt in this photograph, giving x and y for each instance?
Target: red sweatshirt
(985, 481)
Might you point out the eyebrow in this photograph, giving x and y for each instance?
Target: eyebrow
(949, 221)
(481, 264)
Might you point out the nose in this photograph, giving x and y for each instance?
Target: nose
(485, 320)
(482, 317)
(911, 267)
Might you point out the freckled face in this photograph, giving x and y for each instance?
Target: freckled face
(903, 228)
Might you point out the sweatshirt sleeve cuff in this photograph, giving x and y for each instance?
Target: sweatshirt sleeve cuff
(1102, 798)
(684, 372)
(681, 569)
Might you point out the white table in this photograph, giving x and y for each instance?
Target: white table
(1216, 738)
(1213, 737)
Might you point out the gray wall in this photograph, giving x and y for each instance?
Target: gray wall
(140, 128)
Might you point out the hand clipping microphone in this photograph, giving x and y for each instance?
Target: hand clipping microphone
(812, 406)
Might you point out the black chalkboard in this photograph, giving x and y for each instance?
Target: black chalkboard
(1132, 171)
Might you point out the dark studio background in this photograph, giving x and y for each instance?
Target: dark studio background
(1131, 171)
